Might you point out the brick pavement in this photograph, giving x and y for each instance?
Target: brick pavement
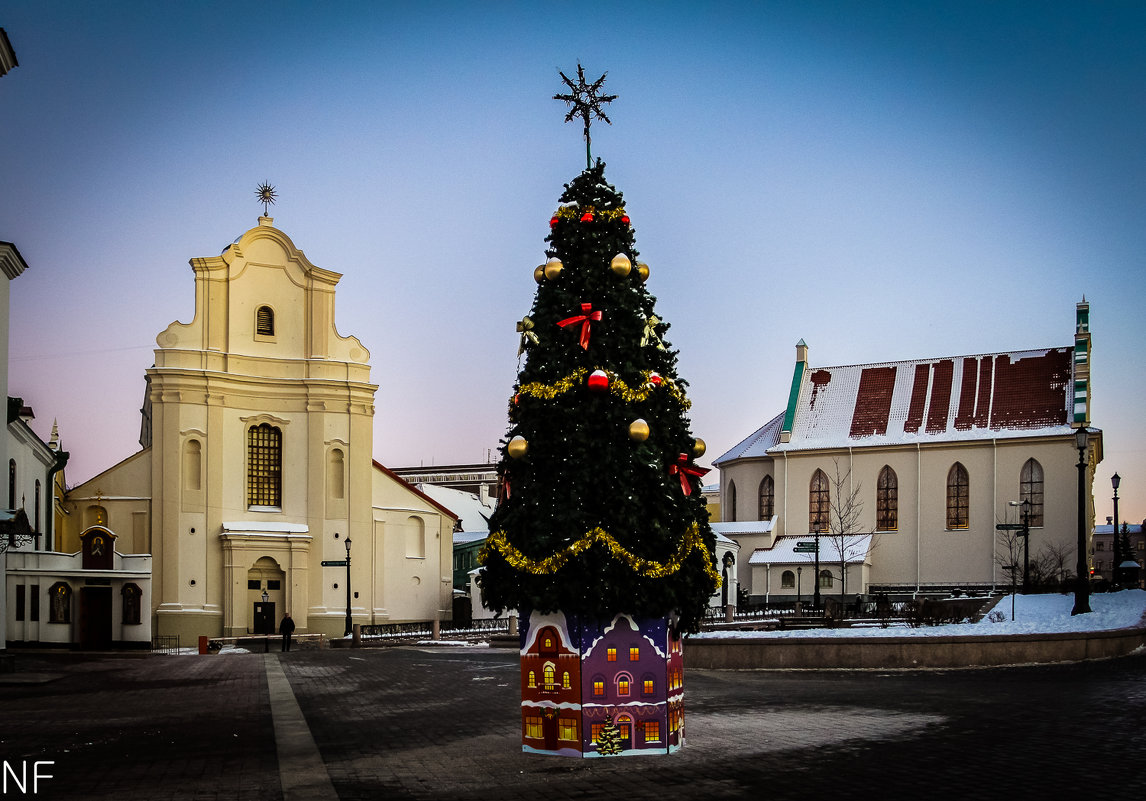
(443, 724)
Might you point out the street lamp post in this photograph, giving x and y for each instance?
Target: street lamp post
(799, 570)
(1115, 480)
(349, 622)
(1082, 579)
(1026, 546)
(816, 577)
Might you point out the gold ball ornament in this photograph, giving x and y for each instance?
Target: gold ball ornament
(643, 270)
(539, 273)
(698, 448)
(553, 269)
(638, 430)
(517, 447)
(621, 265)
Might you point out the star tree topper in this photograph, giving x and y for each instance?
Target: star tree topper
(586, 103)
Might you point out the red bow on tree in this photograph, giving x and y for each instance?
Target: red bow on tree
(684, 469)
(586, 317)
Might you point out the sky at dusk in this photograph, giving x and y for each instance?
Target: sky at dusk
(885, 180)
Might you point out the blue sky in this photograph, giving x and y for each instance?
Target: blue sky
(884, 180)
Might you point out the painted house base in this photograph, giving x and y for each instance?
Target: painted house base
(582, 678)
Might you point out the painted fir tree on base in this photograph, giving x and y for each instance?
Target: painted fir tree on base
(609, 740)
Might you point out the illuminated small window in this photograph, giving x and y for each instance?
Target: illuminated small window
(550, 678)
(648, 684)
(634, 654)
(652, 731)
(532, 679)
(595, 731)
(598, 687)
(567, 729)
(622, 686)
(533, 726)
(565, 681)
(611, 654)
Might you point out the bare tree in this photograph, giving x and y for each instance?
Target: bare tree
(1054, 561)
(847, 538)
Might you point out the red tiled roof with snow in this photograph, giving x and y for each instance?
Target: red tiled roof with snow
(997, 395)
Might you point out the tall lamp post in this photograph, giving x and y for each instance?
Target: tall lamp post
(1026, 545)
(1115, 480)
(816, 577)
(349, 622)
(1082, 579)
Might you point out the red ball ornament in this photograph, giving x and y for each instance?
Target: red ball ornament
(598, 381)
(587, 217)
(625, 219)
(553, 221)
(655, 379)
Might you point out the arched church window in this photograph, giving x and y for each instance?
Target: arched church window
(767, 498)
(730, 515)
(887, 500)
(11, 483)
(264, 466)
(958, 496)
(1031, 490)
(36, 526)
(265, 321)
(819, 502)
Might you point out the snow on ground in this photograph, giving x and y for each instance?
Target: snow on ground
(1034, 614)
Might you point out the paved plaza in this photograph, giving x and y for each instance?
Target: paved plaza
(442, 723)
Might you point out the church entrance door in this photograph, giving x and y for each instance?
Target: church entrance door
(265, 618)
(95, 617)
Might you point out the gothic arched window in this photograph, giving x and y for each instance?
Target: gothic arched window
(819, 502)
(887, 500)
(767, 498)
(958, 496)
(1031, 490)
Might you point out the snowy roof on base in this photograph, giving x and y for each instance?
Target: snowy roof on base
(783, 552)
(1131, 528)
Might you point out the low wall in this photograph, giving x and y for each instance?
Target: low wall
(907, 652)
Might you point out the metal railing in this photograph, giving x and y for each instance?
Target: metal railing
(165, 644)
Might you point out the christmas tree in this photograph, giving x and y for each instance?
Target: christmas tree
(609, 740)
(601, 511)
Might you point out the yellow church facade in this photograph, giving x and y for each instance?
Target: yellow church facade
(256, 465)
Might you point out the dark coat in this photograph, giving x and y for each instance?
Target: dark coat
(286, 628)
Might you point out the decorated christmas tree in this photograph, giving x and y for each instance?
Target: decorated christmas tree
(600, 511)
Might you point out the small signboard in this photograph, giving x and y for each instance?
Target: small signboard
(1008, 527)
(806, 547)
(334, 563)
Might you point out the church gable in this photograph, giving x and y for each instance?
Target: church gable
(263, 298)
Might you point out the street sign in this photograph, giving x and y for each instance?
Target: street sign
(334, 563)
(1008, 527)
(805, 547)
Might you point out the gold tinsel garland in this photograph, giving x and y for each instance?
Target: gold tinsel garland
(536, 389)
(639, 565)
(575, 212)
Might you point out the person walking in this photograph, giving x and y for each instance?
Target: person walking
(286, 628)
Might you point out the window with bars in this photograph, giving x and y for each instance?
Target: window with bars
(819, 502)
(767, 498)
(265, 321)
(887, 500)
(264, 466)
(1031, 490)
(958, 496)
